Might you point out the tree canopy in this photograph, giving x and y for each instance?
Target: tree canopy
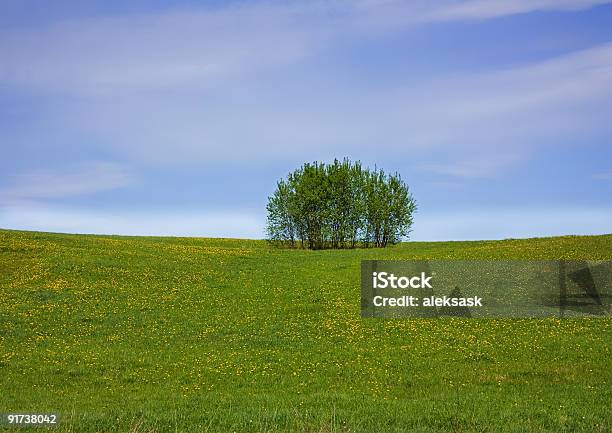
(340, 205)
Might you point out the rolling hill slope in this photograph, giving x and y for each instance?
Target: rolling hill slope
(149, 334)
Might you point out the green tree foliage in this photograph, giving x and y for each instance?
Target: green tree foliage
(340, 205)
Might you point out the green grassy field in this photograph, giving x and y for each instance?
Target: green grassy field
(148, 334)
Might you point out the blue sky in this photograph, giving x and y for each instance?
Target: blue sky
(177, 118)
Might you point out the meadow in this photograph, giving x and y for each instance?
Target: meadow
(146, 334)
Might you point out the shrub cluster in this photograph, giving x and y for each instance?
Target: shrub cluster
(339, 205)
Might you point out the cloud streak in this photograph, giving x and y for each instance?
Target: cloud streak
(239, 224)
(500, 118)
(84, 179)
(199, 47)
(480, 224)
(481, 123)
(155, 51)
(603, 176)
(486, 9)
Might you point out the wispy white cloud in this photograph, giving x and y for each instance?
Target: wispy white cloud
(193, 86)
(199, 47)
(84, 179)
(493, 119)
(478, 166)
(479, 224)
(603, 176)
(368, 15)
(489, 121)
(239, 224)
(154, 51)
(485, 9)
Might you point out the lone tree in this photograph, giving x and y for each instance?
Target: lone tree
(340, 205)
